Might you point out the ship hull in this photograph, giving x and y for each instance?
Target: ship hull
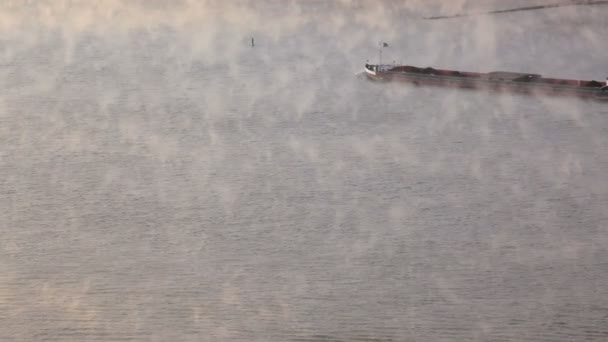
(496, 81)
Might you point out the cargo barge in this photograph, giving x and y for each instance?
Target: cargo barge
(502, 81)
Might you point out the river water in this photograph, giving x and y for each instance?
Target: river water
(162, 179)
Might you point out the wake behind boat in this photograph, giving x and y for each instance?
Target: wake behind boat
(496, 81)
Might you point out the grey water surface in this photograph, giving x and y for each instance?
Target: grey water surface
(162, 180)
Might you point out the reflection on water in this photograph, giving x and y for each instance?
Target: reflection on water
(163, 180)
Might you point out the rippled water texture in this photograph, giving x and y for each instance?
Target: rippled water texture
(162, 180)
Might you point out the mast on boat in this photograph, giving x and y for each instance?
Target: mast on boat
(380, 46)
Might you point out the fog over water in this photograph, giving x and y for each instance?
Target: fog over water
(162, 180)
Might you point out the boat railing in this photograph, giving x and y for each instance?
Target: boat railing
(379, 67)
(384, 67)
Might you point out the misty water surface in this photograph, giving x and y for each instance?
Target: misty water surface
(162, 180)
